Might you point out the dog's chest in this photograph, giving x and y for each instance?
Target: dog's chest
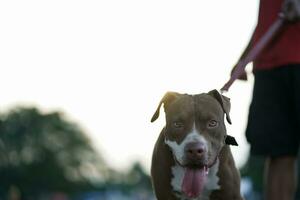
(211, 184)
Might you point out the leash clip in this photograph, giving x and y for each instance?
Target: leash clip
(222, 91)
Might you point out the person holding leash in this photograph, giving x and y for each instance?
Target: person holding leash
(273, 128)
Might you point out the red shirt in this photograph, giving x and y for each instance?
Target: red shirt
(286, 47)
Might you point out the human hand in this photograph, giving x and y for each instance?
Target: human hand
(291, 10)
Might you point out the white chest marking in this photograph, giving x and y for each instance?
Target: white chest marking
(211, 184)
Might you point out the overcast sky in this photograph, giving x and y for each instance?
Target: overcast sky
(106, 64)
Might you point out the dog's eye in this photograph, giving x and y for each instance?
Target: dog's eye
(212, 124)
(178, 124)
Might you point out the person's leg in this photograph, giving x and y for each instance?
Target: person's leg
(273, 130)
(280, 178)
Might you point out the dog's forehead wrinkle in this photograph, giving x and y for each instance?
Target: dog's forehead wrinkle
(181, 106)
(206, 99)
(209, 111)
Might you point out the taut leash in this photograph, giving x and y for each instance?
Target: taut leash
(255, 51)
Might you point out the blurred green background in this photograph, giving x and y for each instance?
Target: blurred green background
(46, 156)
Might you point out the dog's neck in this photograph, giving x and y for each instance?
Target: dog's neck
(211, 184)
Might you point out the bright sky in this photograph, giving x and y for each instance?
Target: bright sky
(107, 63)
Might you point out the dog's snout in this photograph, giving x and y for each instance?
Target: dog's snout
(195, 150)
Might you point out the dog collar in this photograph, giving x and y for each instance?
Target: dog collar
(229, 140)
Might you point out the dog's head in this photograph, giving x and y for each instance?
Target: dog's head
(195, 130)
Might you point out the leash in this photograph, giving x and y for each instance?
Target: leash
(255, 51)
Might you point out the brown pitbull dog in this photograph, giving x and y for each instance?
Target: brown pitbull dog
(191, 158)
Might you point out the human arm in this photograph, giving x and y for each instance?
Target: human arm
(243, 75)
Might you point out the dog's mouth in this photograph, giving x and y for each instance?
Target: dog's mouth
(194, 178)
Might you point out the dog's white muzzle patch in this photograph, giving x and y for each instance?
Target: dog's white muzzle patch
(178, 149)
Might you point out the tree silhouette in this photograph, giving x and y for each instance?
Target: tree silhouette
(46, 152)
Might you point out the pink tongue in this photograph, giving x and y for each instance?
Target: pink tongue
(193, 182)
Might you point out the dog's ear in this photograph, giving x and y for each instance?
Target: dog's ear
(229, 140)
(166, 100)
(224, 101)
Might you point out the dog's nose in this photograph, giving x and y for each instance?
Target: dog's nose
(195, 150)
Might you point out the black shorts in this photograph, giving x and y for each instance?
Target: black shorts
(274, 117)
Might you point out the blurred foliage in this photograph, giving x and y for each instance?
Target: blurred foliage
(45, 153)
(135, 179)
(254, 169)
